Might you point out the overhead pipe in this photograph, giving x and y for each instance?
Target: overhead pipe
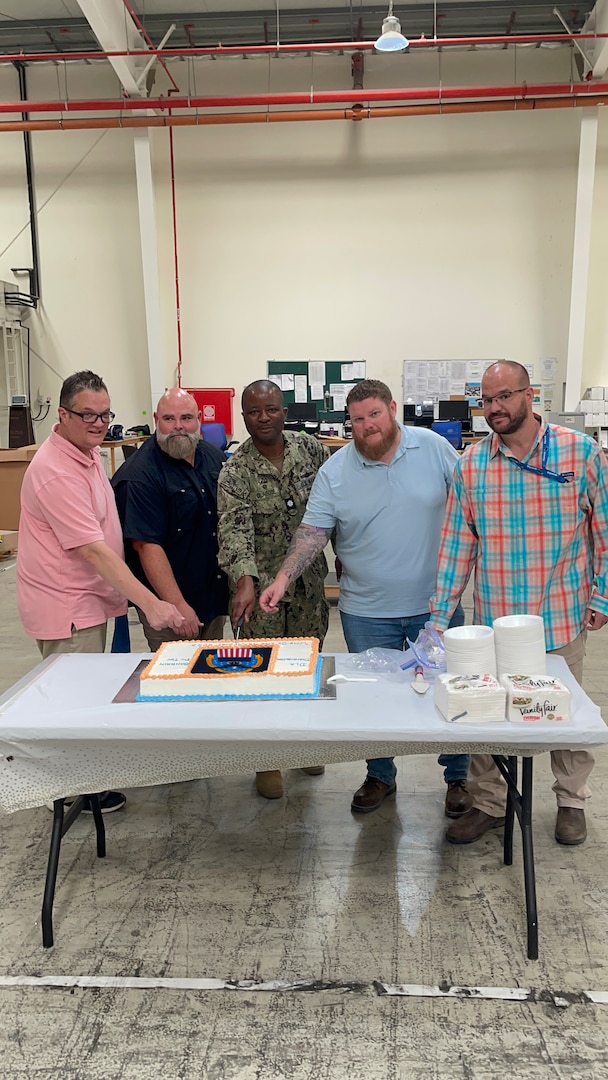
(521, 91)
(357, 112)
(305, 47)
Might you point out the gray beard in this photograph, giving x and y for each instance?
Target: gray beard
(178, 446)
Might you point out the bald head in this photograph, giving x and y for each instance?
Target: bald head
(510, 369)
(176, 400)
(265, 387)
(178, 424)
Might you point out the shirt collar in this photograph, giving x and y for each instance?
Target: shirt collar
(68, 448)
(497, 446)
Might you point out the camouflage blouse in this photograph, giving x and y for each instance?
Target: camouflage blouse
(260, 509)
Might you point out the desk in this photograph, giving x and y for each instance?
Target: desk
(333, 442)
(113, 444)
(51, 747)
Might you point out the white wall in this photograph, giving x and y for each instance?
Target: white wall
(388, 239)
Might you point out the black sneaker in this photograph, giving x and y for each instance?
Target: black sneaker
(109, 801)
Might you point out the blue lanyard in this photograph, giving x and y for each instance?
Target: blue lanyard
(562, 478)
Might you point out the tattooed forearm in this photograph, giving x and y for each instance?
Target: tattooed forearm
(307, 543)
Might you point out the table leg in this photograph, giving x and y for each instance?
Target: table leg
(528, 848)
(521, 804)
(62, 821)
(510, 812)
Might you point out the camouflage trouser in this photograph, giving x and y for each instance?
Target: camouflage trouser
(302, 616)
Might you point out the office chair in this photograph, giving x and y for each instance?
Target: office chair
(216, 435)
(129, 450)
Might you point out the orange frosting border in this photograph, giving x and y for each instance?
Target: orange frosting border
(252, 643)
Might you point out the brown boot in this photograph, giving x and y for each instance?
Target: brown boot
(457, 799)
(472, 826)
(269, 784)
(371, 795)
(570, 826)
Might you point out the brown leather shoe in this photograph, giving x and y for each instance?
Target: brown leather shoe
(472, 826)
(371, 795)
(314, 770)
(570, 826)
(269, 784)
(457, 799)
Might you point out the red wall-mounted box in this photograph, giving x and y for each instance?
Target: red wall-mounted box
(215, 405)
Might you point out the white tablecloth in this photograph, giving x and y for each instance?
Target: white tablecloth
(60, 733)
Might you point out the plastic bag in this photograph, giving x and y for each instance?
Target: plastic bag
(427, 650)
(385, 664)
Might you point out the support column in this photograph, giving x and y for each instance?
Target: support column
(580, 257)
(149, 259)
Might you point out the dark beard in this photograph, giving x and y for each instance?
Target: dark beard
(378, 450)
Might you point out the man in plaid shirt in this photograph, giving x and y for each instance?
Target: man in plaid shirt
(528, 510)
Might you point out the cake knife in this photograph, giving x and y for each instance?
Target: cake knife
(239, 627)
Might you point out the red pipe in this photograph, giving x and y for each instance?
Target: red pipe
(323, 46)
(313, 97)
(175, 259)
(356, 113)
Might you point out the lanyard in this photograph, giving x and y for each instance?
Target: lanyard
(562, 478)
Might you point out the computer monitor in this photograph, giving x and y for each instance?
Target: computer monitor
(302, 410)
(453, 410)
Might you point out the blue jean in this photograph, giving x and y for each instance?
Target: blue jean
(363, 633)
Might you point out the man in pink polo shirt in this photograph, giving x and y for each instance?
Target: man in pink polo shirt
(71, 574)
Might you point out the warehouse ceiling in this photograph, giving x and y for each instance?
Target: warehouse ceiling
(58, 26)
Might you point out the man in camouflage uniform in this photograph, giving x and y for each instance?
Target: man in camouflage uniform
(262, 495)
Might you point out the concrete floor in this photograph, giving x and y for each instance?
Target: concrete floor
(207, 880)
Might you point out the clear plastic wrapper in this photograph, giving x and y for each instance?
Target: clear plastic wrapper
(385, 664)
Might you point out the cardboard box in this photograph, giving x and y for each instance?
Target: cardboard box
(8, 541)
(13, 464)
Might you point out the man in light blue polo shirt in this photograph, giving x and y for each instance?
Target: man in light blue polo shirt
(385, 494)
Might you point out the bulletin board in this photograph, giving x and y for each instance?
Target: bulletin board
(317, 378)
(439, 380)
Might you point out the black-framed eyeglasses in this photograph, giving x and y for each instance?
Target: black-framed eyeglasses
(504, 397)
(91, 417)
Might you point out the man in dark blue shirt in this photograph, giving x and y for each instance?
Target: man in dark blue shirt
(167, 501)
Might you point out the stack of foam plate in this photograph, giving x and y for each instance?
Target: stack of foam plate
(469, 650)
(520, 645)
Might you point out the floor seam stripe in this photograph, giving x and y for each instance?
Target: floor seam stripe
(560, 999)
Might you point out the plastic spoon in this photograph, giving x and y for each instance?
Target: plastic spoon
(419, 684)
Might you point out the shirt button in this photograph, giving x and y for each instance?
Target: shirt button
(203, 490)
(179, 530)
(209, 512)
(219, 577)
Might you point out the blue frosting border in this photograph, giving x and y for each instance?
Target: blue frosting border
(246, 697)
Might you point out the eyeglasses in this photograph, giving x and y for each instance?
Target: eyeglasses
(504, 397)
(91, 417)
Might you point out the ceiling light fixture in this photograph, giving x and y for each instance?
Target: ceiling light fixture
(391, 39)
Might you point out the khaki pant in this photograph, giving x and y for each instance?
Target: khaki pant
(90, 640)
(211, 631)
(571, 768)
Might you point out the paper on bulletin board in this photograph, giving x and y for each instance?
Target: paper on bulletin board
(300, 388)
(316, 373)
(353, 370)
(284, 381)
(316, 391)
